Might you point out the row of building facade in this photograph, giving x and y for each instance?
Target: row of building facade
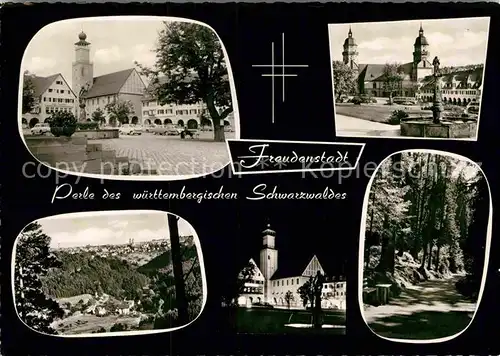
(53, 94)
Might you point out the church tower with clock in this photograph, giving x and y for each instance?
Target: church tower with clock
(268, 259)
(83, 68)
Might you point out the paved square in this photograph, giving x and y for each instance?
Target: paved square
(171, 155)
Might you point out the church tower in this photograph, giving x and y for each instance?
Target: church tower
(420, 56)
(350, 53)
(83, 68)
(268, 259)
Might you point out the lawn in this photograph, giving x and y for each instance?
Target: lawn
(377, 113)
(272, 321)
(86, 324)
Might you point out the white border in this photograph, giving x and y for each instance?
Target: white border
(297, 142)
(488, 18)
(111, 213)
(362, 247)
(232, 85)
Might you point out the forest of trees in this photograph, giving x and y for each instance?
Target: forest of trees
(432, 209)
(83, 273)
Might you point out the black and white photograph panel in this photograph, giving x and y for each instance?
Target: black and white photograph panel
(288, 285)
(120, 272)
(128, 96)
(425, 241)
(418, 78)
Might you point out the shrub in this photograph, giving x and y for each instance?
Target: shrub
(87, 126)
(397, 116)
(62, 124)
(356, 101)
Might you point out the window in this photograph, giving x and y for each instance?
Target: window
(169, 111)
(50, 90)
(297, 281)
(282, 282)
(287, 282)
(59, 82)
(292, 282)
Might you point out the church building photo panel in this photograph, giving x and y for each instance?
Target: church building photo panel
(419, 78)
(290, 279)
(98, 96)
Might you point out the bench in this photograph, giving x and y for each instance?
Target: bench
(379, 295)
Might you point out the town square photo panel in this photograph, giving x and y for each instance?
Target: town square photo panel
(249, 179)
(416, 79)
(105, 96)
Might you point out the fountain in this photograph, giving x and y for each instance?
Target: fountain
(437, 126)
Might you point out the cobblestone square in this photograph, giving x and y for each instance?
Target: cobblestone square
(171, 155)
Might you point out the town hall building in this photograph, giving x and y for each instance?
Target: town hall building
(459, 87)
(277, 284)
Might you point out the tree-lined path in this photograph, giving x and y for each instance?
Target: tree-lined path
(429, 310)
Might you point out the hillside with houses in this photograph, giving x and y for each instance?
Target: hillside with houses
(121, 287)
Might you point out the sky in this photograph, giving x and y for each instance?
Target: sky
(455, 41)
(108, 229)
(115, 45)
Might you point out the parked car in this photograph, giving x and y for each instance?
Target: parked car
(159, 130)
(175, 129)
(149, 128)
(40, 129)
(129, 129)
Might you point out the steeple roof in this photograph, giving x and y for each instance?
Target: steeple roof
(349, 41)
(82, 37)
(421, 40)
(269, 231)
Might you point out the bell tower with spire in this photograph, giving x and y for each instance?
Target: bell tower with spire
(268, 259)
(421, 65)
(83, 68)
(350, 53)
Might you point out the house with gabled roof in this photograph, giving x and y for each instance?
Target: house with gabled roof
(273, 279)
(97, 92)
(51, 94)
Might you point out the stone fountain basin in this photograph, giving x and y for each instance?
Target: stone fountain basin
(459, 128)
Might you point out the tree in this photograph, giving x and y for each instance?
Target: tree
(190, 57)
(180, 288)
(344, 80)
(32, 263)
(99, 116)
(310, 293)
(236, 286)
(29, 100)
(289, 298)
(119, 111)
(392, 77)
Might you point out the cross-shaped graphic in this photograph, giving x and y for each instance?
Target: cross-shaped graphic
(283, 75)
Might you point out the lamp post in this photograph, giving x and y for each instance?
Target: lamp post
(437, 104)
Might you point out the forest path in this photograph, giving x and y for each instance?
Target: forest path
(429, 310)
